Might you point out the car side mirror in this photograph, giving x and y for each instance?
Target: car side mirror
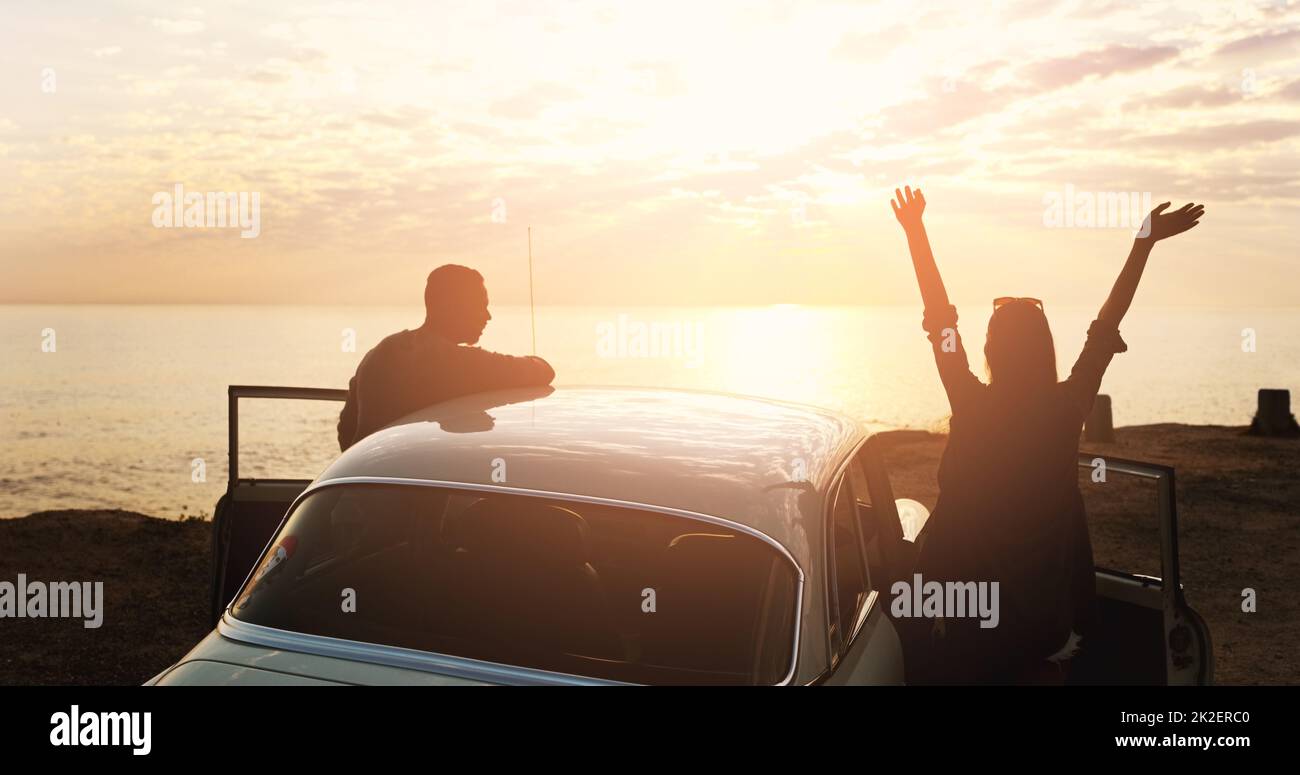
(912, 516)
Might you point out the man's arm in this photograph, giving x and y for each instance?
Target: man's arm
(495, 371)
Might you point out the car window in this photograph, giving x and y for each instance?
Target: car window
(1123, 519)
(857, 477)
(850, 583)
(876, 519)
(578, 588)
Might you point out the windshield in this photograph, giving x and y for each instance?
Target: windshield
(591, 590)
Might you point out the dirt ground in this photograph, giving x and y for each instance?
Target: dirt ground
(156, 580)
(1239, 527)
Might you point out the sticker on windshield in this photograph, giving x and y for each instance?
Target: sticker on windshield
(279, 554)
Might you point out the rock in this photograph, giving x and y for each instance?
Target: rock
(1273, 417)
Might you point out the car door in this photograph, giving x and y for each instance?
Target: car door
(251, 509)
(860, 565)
(1146, 632)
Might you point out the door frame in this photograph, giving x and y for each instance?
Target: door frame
(1185, 632)
(244, 490)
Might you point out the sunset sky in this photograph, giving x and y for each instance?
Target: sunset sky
(664, 153)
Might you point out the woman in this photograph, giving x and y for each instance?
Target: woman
(1009, 508)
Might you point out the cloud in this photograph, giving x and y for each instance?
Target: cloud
(1118, 58)
(1264, 44)
(951, 102)
(532, 102)
(177, 26)
(1096, 9)
(403, 118)
(1290, 92)
(868, 47)
(1031, 9)
(267, 76)
(1221, 136)
(308, 56)
(946, 106)
(659, 79)
(382, 131)
(281, 31)
(1193, 96)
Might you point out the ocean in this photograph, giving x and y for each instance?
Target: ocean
(123, 406)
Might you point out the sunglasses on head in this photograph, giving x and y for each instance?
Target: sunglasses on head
(1002, 301)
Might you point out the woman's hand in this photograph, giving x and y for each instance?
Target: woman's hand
(1160, 224)
(908, 208)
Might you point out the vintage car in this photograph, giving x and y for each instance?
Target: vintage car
(607, 535)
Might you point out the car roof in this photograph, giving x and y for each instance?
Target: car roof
(762, 464)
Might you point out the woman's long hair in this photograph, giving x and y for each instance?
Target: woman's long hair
(1018, 351)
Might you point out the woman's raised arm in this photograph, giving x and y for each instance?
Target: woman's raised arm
(940, 318)
(1157, 226)
(908, 209)
(1103, 335)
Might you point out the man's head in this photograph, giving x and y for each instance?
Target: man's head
(456, 303)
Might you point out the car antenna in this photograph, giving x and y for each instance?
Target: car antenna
(532, 314)
(532, 310)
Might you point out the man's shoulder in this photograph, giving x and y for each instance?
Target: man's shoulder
(403, 338)
(388, 348)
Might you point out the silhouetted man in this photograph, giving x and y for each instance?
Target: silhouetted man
(414, 369)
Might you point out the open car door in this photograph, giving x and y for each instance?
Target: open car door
(250, 511)
(1146, 632)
